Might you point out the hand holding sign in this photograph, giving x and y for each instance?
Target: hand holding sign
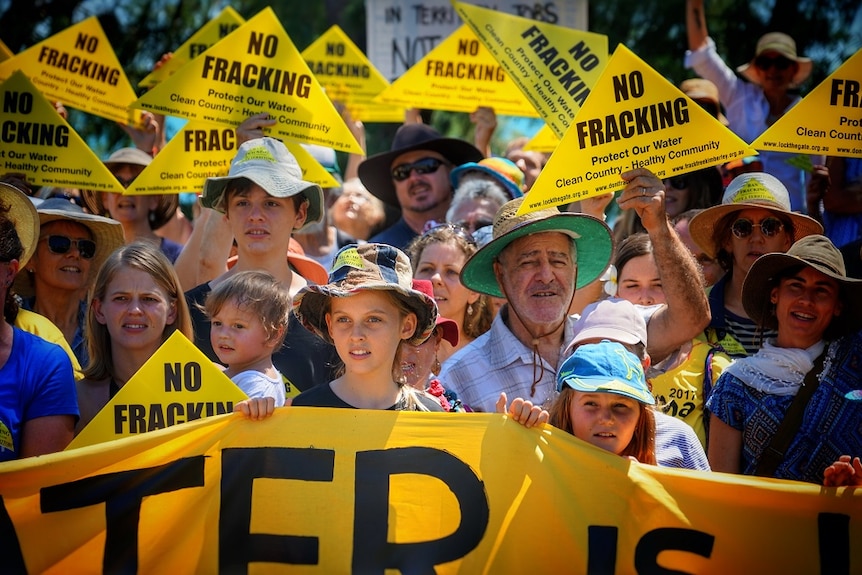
(644, 193)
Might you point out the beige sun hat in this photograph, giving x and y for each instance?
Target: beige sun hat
(23, 214)
(749, 190)
(814, 251)
(782, 44)
(105, 232)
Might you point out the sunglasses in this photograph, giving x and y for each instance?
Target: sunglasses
(422, 166)
(769, 227)
(457, 229)
(766, 62)
(678, 182)
(62, 244)
(472, 227)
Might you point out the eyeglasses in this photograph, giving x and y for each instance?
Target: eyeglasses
(766, 62)
(769, 227)
(62, 244)
(472, 227)
(431, 226)
(422, 166)
(678, 182)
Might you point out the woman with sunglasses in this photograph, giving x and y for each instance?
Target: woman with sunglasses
(695, 190)
(438, 255)
(753, 219)
(757, 101)
(54, 283)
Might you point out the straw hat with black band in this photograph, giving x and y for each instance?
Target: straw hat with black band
(784, 45)
(814, 251)
(105, 232)
(749, 191)
(158, 217)
(23, 214)
(375, 172)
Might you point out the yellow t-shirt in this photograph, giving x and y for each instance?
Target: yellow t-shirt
(40, 325)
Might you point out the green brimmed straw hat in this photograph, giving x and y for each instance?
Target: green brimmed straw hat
(592, 238)
(362, 267)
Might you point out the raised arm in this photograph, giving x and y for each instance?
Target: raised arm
(695, 24)
(687, 311)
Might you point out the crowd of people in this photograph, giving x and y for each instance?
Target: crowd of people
(713, 322)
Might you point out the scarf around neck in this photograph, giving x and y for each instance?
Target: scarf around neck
(776, 370)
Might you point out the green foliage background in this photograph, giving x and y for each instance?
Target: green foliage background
(829, 31)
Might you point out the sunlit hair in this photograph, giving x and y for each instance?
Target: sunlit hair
(11, 248)
(474, 190)
(478, 322)
(634, 246)
(722, 235)
(145, 257)
(257, 294)
(642, 444)
(407, 392)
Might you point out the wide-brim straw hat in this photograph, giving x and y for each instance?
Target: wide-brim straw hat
(784, 45)
(592, 237)
(816, 252)
(749, 190)
(107, 233)
(268, 163)
(375, 172)
(702, 89)
(364, 267)
(23, 214)
(168, 203)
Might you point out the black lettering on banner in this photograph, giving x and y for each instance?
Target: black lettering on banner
(602, 549)
(335, 49)
(122, 493)
(10, 547)
(372, 552)
(14, 103)
(85, 42)
(240, 467)
(849, 90)
(258, 41)
(213, 139)
(669, 539)
(190, 378)
(833, 537)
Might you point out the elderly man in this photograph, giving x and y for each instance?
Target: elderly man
(414, 176)
(537, 261)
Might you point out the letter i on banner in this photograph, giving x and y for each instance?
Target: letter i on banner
(78, 66)
(633, 118)
(254, 69)
(176, 385)
(828, 121)
(40, 144)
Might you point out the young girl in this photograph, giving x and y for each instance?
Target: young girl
(368, 310)
(604, 400)
(249, 313)
(136, 303)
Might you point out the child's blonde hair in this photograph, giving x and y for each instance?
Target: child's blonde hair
(256, 293)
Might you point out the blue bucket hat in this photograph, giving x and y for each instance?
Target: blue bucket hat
(605, 367)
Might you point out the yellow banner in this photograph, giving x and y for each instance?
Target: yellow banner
(202, 150)
(634, 118)
(545, 140)
(5, 52)
(555, 67)
(39, 143)
(254, 69)
(341, 491)
(827, 121)
(226, 22)
(78, 67)
(176, 385)
(458, 75)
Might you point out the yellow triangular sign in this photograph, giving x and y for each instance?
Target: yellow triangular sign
(210, 33)
(458, 75)
(634, 118)
(254, 69)
(39, 143)
(554, 67)
(5, 52)
(828, 121)
(78, 67)
(348, 77)
(545, 141)
(176, 385)
(200, 151)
